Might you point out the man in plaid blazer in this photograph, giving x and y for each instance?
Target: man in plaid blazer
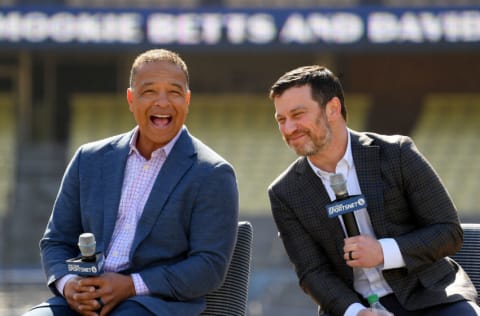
(407, 231)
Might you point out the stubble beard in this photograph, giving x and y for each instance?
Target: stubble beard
(315, 143)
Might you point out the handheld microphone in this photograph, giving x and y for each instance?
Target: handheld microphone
(87, 245)
(345, 205)
(89, 263)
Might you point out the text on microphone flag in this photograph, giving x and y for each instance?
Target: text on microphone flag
(353, 203)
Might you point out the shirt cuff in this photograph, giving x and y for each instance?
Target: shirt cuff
(354, 309)
(60, 283)
(392, 257)
(140, 286)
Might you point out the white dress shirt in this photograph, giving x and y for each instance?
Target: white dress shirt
(366, 280)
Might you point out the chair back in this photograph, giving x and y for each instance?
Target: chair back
(469, 256)
(231, 298)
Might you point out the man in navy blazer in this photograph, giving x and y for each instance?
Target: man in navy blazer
(409, 226)
(162, 206)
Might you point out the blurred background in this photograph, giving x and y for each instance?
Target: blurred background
(408, 67)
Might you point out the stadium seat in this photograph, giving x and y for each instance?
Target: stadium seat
(231, 298)
(240, 127)
(447, 134)
(469, 256)
(8, 128)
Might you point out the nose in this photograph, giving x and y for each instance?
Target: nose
(161, 99)
(288, 127)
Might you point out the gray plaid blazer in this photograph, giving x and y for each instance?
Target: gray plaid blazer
(406, 201)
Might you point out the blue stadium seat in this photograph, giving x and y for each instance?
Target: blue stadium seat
(469, 256)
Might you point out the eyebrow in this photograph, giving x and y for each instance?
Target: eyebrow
(175, 84)
(295, 109)
(299, 107)
(182, 87)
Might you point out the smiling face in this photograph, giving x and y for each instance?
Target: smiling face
(301, 121)
(159, 100)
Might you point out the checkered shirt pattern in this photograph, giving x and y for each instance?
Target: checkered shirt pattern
(140, 175)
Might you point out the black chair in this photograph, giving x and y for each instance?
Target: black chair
(469, 256)
(231, 298)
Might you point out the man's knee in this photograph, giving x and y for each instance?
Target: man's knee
(128, 308)
(466, 308)
(45, 310)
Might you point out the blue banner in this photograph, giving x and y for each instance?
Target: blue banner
(363, 28)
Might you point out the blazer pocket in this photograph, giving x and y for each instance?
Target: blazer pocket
(439, 275)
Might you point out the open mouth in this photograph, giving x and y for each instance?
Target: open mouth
(161, 120)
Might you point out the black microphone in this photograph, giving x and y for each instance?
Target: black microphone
(89, 263)
(345, 209)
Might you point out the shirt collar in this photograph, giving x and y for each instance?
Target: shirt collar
(343, 166)
(160, 151)
(348, 157)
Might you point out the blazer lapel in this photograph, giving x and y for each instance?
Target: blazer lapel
(367, 164)
(311, 186)
(178, 162)
(114, 162)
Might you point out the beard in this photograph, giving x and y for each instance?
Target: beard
(315, 142)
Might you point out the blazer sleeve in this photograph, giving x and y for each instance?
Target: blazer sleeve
(59, 241)
(435, 230)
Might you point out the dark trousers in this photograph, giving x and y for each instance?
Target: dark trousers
(126, 308)
(462, 308)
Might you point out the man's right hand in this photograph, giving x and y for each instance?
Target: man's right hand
(81, 299)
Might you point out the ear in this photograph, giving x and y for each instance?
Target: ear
(188, 95)
(130, 99)
(333, 109)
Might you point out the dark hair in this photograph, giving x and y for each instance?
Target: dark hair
(323, 83)
(155, 55)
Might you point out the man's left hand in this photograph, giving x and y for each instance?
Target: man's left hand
(111, 290)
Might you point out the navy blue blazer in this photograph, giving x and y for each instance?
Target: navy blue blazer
(184, 238)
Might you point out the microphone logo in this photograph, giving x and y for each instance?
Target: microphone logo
(89, 263)
(351, 204)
